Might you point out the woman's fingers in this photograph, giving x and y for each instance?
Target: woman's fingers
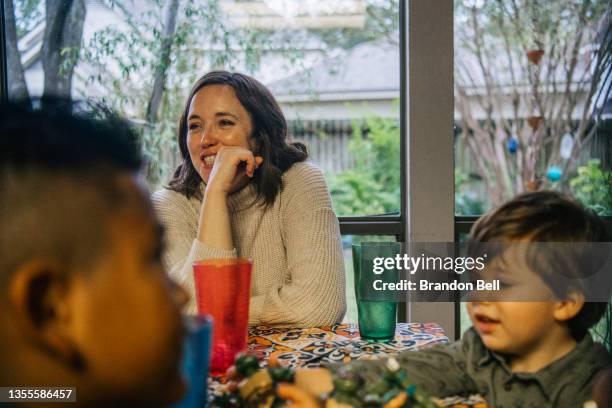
(257, 162)
(237, 155)
(253, 163)
(231, 165)
(297, 397)
(250, 165)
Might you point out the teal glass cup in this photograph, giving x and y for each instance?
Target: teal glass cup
(195, 361)
(377, 311)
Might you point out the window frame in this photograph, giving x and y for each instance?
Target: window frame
(3, 62)
(430, 143)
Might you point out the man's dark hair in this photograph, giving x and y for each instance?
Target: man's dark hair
(549, 216)
(269, 135)
(59, 168)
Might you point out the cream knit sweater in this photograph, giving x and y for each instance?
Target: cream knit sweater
(298, 267)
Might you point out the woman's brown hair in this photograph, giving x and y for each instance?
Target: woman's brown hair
(269, 136)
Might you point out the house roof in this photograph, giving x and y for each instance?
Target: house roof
(371, 68)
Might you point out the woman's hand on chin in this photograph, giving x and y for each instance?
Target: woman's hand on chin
(233, 167)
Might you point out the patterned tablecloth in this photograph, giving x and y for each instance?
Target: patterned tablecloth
(341, 343)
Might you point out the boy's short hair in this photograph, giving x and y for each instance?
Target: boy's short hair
(546, 216)
(59, 163)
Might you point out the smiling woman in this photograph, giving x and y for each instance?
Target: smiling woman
(242, 190)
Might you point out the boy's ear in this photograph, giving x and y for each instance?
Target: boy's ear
(568, 308)
(40, 304)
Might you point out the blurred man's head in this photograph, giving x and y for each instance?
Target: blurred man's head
(84, 298)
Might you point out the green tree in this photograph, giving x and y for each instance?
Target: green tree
(592, 186)
(529, 72)
(466, 202)
(381, 21)
(372, 185)
(63, 31)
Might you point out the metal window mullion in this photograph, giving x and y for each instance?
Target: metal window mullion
(3, 62)
(376, 227)
(430, 108)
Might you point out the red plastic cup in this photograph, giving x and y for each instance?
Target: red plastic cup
(223, 290)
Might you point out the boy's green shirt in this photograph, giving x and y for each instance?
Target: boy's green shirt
(467, 367)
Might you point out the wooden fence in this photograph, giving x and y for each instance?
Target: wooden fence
(327, 142)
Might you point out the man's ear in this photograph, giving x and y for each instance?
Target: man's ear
(40, 304)
(568, 308)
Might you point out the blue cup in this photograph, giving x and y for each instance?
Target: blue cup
(196, 358)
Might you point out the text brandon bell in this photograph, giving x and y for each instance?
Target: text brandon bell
(424, 284)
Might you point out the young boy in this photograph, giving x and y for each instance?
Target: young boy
(84, 301)
(518, 353)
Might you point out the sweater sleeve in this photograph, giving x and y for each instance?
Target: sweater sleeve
(182, 248)
(315, 292)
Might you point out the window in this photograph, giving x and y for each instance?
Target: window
(333, 66)
(532, 101)
(532, 105)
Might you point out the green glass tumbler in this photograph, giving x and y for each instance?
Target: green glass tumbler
(377, 313)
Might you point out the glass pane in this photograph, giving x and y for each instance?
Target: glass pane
(533, 107)
(347, 241)
(464, 318)
(333, 67)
